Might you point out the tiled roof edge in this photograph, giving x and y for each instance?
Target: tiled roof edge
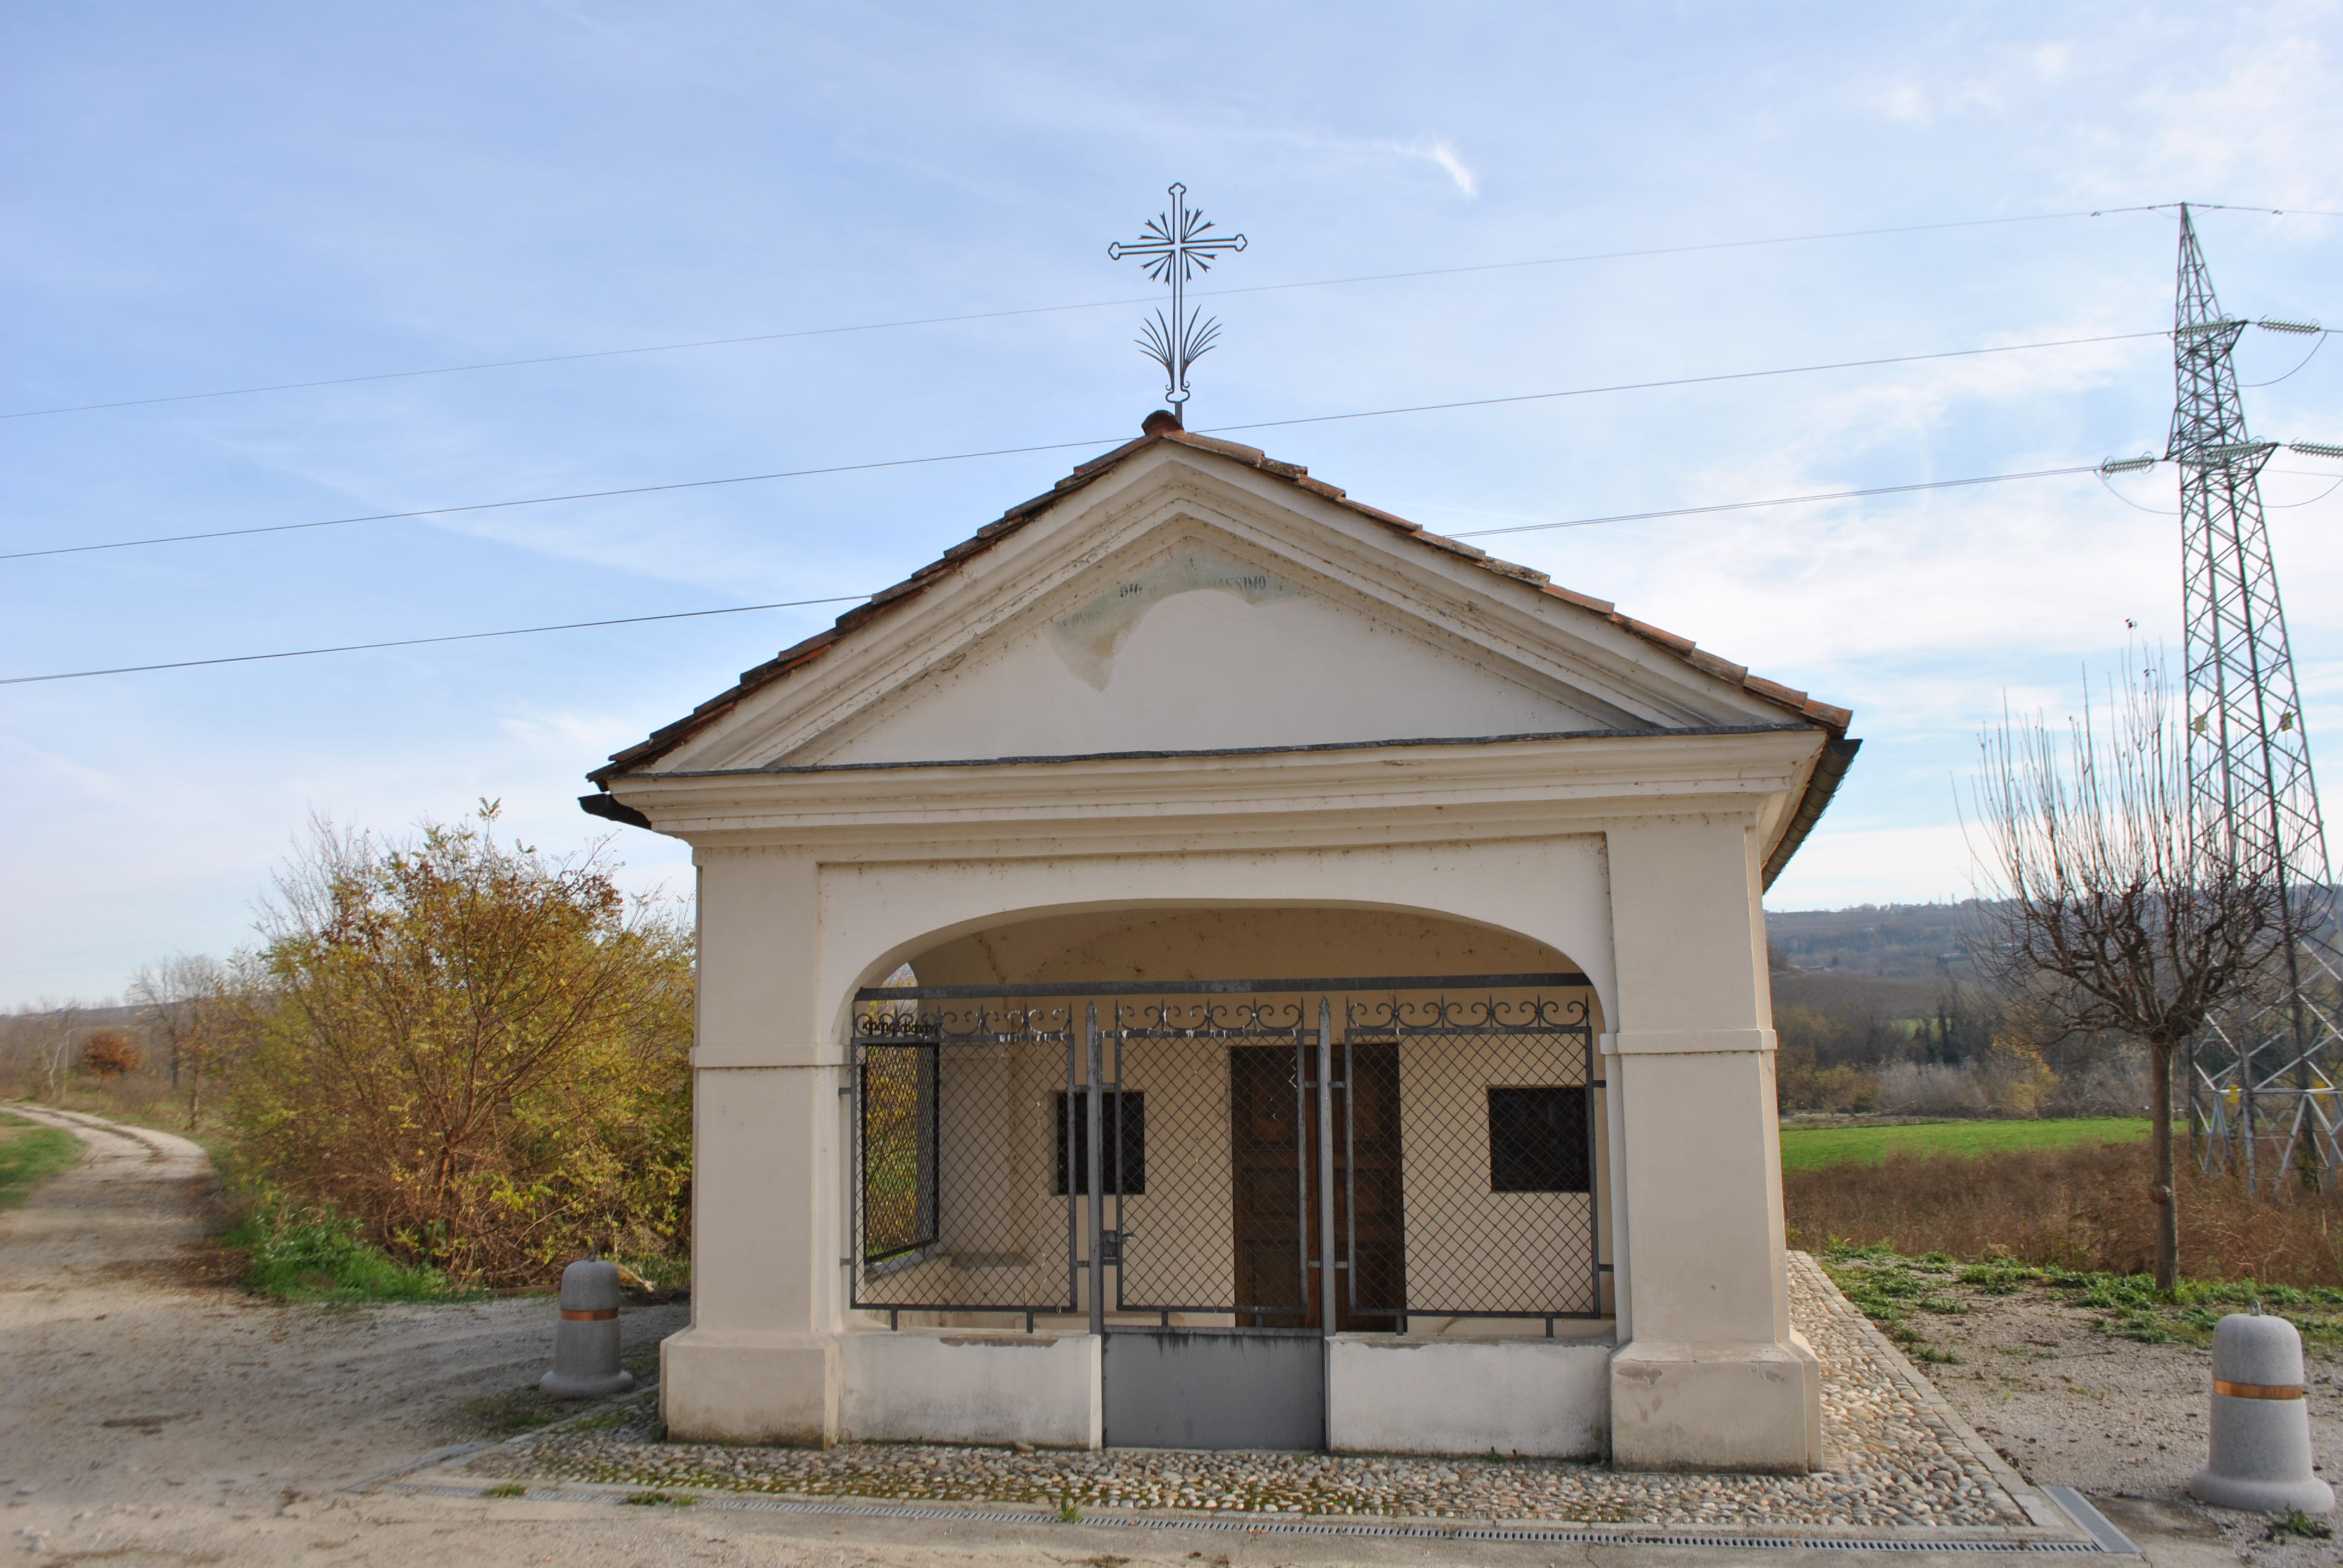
(667, 737)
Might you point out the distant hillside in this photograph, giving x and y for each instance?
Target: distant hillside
(111, 1014)
(1872, 961)
(1871, 942)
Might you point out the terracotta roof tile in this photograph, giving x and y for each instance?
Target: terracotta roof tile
(1788, 696)
(1667, 640)
(1453, 547)
(1159, 428)
(1723, 669)
(1365, 510)
(1106, 459)
(1236, 449)
(1603, 607)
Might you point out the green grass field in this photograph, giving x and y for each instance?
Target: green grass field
(1812, 1148)
(29, 1155)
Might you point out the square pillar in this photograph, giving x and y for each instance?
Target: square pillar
(1712, 1377)
(760, 1362)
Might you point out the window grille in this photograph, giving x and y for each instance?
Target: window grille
(1122, 1116)
(1537, 1140)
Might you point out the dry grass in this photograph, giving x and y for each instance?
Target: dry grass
(2085, 1208)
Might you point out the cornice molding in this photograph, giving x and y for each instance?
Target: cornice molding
(1334, 796)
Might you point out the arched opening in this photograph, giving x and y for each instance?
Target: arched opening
(1229, 942)
(1193, 1117)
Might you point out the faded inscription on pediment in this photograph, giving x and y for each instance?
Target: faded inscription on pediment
(1089, 638)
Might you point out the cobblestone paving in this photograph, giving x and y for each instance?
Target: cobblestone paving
(1895, 1461)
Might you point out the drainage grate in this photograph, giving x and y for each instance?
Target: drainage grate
(1559, 1535)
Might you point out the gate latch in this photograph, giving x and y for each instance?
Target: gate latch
(1110, 1246)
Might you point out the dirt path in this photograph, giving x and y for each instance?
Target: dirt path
(132, 1382)
(148, 1417)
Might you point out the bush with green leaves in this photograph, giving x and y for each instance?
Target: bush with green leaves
(313, 1255)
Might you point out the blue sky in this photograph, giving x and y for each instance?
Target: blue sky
(236, 195)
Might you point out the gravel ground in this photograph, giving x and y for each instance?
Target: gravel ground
(1899, 1460)
(2068, 1400)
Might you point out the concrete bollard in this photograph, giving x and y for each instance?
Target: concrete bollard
(585, 1341)
(2261, 1425)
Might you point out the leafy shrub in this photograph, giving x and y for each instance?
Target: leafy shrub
(477, 1052)
(109, 1053)
(310, 1254)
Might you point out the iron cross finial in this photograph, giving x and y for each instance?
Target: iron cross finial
(1178, 245)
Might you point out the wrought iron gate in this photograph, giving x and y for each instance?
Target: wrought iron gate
(1266, 1161)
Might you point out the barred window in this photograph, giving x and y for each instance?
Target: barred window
(1537, 1140)
(1122, 1114)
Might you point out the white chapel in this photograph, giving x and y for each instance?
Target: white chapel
(1208, 963)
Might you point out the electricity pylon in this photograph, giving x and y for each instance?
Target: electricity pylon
(2263, 1097)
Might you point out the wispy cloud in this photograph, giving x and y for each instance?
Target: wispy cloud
(1445, 155)
(1438, 151)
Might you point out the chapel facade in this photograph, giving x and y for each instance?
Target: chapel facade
(1208, 963)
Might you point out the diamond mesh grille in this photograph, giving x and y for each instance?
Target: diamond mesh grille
(1452, 1146)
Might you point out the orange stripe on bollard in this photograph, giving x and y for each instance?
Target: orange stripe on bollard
(2253, 1390)
(605, 1314)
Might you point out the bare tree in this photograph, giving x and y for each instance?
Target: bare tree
(2103, 906)
(47, 1035)
(184, 1001)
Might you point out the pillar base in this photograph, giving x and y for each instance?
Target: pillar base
(2311, 1495)
(739, 1385)
(565, 1385)
(1716, 1406)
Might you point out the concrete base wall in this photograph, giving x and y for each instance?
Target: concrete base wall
(1651, 1406)
(971, 1386)
(1540, 1398)
(744, 1386)
(1711, 1406)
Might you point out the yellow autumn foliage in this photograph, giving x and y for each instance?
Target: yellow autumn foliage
(478, 1052)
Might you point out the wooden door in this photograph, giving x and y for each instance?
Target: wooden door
(1366, 1135)
(1274, 1177)
(1266, 1148)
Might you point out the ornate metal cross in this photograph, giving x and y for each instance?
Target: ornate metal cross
(1178, 245)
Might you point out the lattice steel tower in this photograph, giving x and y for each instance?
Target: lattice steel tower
(2263, 1078)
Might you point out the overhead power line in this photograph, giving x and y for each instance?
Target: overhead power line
(857, 598)
(546, 500)
(1063, 446)
(2231, 206)
(1781, 501)
(421, 641)
(1053, 310)
(1691, 381)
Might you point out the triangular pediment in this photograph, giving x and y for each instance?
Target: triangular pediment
(1205, 643)
(1188, 602)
